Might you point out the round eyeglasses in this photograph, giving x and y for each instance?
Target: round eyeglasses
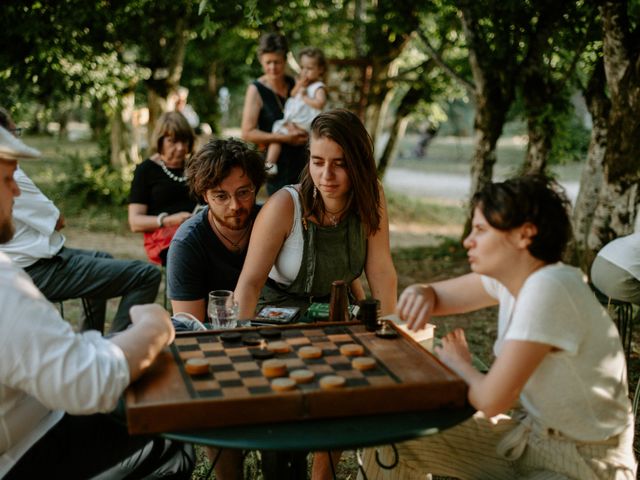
(224, 198)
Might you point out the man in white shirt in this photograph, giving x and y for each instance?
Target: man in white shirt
(46, 370)
(62, 273)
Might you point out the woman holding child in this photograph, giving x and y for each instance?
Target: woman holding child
(264, 104)
(554, 404)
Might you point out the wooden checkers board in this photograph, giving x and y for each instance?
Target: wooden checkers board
(234, 391)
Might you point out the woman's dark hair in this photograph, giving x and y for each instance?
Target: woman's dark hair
(317, 55)
(214, 161)
(346, 129)
(535, 199)
(172, 124)
(273, 43)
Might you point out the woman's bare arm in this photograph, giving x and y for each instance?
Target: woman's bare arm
(497, 391)
(250, 130)
(318, 101)
(270, 230)
(197, 308)
(381, 274)
(139, 221)
(420, 301)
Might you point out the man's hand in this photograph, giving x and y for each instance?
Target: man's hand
(155, 317)
(150, 332)
(415, 305)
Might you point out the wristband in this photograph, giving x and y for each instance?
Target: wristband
(161, 218)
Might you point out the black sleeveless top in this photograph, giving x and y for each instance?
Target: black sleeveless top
(293, 158)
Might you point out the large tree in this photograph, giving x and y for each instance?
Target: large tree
(494, 37)
(618, 200)
(592, 178)
(557, 34)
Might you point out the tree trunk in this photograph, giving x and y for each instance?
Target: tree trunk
(167, 75)
(484, 156)
(537, 94)
(400, 121)
(493, 95)
(538, 147)
(592, 177)
(618, 200)
(123, 150)
(615, 214)
(397, 132)
(157, 105)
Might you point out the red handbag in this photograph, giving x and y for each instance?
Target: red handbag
(156, 242)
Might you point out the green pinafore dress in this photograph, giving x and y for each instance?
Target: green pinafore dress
(329, 253)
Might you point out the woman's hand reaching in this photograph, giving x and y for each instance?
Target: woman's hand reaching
(454, 352)
(416, 305)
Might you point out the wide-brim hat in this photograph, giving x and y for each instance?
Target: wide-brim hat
(12, 148)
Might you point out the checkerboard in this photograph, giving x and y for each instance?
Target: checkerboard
(235, 391)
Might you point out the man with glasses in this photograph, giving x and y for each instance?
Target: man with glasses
(208, 250)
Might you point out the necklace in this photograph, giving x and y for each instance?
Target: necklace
(334, 217)
(171, 175)
(235, 245)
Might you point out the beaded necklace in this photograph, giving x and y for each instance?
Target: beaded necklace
(171, 175)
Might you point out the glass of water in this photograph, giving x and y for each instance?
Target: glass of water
(222, 310)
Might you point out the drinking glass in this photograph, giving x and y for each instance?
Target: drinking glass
(222, 309)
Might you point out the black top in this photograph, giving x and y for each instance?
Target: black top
(292, 158)
(198, 261)
(152, 187)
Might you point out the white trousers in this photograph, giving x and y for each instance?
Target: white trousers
(504, 448)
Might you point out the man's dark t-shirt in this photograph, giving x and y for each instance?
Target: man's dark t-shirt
(198, 262)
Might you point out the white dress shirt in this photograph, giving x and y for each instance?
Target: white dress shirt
(46, 368)
(35, 218)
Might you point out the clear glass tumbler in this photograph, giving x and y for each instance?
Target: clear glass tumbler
(222, 310)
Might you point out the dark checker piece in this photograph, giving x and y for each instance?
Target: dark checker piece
(251, 339)
(260, 354)
(270, 333)
(230, 337)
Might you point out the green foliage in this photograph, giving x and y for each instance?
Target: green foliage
(571, 141)
(94, 182)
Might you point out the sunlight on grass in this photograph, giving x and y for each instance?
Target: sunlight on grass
(402, 208)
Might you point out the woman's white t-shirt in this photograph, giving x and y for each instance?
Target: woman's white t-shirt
(581, 389)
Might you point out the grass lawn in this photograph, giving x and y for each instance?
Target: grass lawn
(426, 234)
